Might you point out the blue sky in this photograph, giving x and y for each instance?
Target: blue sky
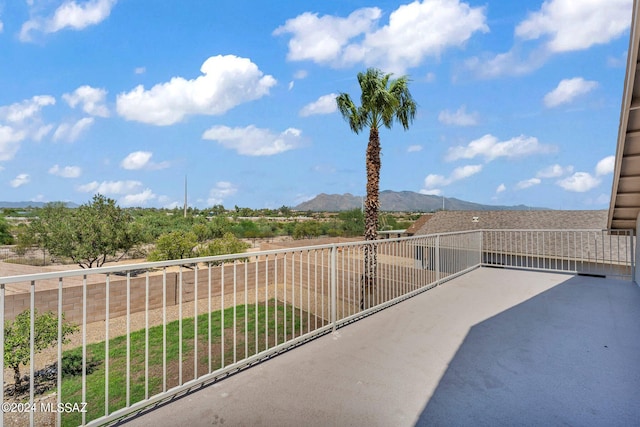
(518, 101)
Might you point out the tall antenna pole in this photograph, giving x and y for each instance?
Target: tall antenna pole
(185, 196)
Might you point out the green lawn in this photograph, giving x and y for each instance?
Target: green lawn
(248, 342)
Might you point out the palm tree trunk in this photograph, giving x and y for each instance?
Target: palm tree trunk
(371, 206)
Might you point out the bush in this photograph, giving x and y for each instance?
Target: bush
(5, 235)
(228, 244)
(72, 365)
(174, 245)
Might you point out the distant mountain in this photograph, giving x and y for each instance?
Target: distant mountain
(398, 201)
(21, 205)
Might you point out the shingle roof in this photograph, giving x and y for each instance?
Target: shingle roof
(449, 221)
(419, 223)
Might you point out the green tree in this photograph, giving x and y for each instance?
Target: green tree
(228, 244)
(87, 234)
(246, 228)
(202, 232)
(217, 210)
(352, 222)
(307, 230)
(174, 245)
(218, 226)
(17, 337)
(5, 234)
(285, 211)
(383, 101)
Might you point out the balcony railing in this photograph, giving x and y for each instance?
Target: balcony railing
(594, 252)
(148, 332)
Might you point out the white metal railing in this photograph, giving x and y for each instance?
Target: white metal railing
(150, 331)
(597, 252)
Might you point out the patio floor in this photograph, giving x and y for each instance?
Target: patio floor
(492, 347)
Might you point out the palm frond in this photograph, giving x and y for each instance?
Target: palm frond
(349, 112)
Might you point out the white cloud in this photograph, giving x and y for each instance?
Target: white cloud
(501, 188)
(141, 160)
(291, 84)
(561, 26)
(300, 74)
(579, 182)
(66, 172)
(605, 166)
(1, 26)
(414, 148)
(322, 39)
(140, 70)
(221, 191)
(41, 132)
(490, 148)
(567, 90)
(10, 140)
(602, 199)
(71, 131)
(136, 160)
(253, 141)
(554, 171)
(20, 180)
(617, 61)
(324, 168)
(338, 41)
(22, 120)
(458, 118)
(433, 181)
(326, 104)
(226, 81)
(92, 100)
(70, 15)
(137, 199)
(111, 187)
(528, 183)
(25, 110)
(509, 63)
(465, 172)
(568, 25)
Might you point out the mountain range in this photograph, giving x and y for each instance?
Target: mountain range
(398, 201)
(390, 201)
(22, 205)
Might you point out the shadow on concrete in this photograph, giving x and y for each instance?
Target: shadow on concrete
(568, 356)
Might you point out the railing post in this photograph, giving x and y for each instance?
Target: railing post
(633, 258)
(333, 271)
(480, 248)
(2, 296)
(438, 259)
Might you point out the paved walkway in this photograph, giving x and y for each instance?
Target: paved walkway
(493, 347)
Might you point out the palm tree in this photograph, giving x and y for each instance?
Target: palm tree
(383, 101)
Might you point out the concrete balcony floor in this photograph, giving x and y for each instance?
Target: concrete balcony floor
(492, 347)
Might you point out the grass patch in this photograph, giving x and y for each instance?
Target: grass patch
(256, 331)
